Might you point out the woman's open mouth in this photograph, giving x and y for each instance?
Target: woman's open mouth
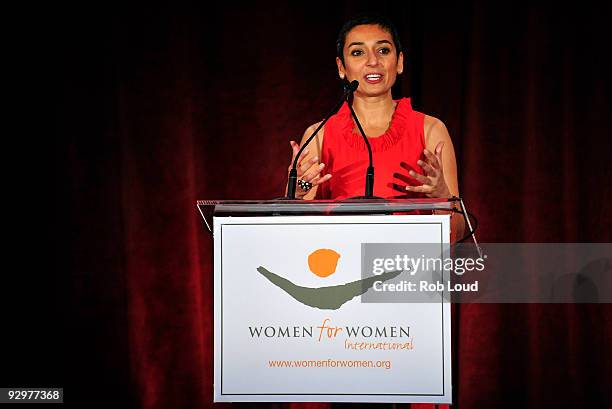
(374, 78)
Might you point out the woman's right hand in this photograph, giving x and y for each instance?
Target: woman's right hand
(308, 170)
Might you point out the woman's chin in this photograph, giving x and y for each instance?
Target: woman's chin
(373, 93)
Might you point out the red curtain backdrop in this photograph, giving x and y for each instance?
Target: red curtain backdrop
(156, 107)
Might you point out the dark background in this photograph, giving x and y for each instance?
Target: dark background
(146, 109)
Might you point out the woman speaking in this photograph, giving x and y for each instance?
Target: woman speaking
(412, 152)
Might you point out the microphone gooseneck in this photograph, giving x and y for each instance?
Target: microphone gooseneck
(369, 186)
(292, 182)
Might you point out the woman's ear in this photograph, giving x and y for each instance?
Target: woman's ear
(341, 71)
(400, 63)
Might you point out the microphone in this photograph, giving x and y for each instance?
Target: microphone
(349, 88)
(369, 186)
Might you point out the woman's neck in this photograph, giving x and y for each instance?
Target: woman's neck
(374, 111)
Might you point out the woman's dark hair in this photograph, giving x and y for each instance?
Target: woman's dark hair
(362, 19)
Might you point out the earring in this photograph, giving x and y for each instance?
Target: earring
(341, 76)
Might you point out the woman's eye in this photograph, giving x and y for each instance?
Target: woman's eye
(384, 50)
(356, 53)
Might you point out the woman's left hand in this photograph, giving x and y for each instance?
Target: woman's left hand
(433, 183)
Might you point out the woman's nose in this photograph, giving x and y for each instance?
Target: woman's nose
(372, 59)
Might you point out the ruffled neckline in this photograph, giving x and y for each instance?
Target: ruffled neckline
(387, 140)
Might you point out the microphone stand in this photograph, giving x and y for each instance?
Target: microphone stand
(369, 186)
(291, 184)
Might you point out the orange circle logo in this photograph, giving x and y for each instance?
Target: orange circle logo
(323, 262)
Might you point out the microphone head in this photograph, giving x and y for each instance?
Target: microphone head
(350, 87)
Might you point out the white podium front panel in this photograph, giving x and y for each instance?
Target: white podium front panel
(290, 327)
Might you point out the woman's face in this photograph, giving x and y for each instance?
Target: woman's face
(370, 57)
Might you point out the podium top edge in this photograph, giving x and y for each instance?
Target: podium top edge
(424, 201)
(322, 207)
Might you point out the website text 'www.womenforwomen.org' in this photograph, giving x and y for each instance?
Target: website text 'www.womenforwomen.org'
(329, 363)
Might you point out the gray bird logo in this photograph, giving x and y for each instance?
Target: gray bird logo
(326, 298)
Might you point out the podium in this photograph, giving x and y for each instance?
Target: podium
(311, 301)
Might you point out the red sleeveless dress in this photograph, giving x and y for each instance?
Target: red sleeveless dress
(394, 153)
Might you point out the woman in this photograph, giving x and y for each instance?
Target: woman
(412, 152)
